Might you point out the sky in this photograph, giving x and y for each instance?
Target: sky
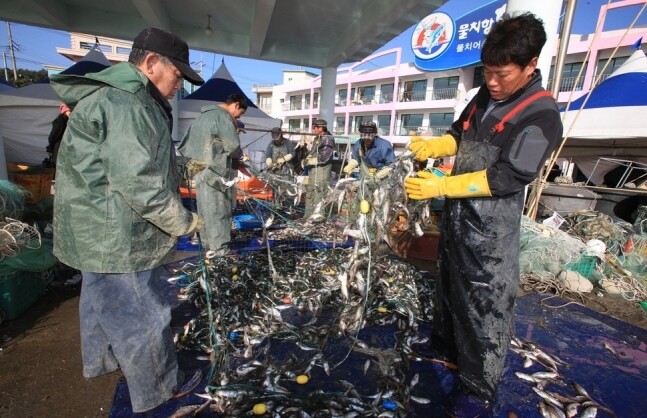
(36, 47)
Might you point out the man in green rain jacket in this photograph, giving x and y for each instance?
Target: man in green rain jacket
(212, 142)
(118, 213)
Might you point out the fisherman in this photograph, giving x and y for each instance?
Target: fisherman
(213, 145)
(279, 151)
(371, 153)
(118, 213)
(56, 134)
(319, 163)
(501, 142)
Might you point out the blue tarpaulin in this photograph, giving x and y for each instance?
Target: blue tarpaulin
(605, 356)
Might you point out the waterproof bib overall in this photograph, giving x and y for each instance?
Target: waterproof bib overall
(280, 151)
(479, 275)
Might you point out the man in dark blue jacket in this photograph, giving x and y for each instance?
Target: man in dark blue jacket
(371, 153)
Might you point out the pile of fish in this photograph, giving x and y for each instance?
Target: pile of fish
(554, 404)
(270, 320)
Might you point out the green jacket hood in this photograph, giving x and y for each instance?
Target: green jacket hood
(72, 88)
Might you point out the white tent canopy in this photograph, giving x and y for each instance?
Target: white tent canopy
(26, 114)
(215, 91)
(612, 120)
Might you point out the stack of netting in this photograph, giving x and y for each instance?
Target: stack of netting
(22, 254)
(21, 245)
(548, 257)
(545, 251)
(624, 268)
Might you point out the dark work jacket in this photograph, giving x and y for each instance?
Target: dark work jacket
(479, 257)
(56, 134)
(526, 141)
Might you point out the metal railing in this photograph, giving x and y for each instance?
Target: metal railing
(385, 98)
(444, 94)
(436, 94)
(420, 129)
(291, 106)
(568, 84)
(413, 96)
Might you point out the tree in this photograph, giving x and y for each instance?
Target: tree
(27, 77)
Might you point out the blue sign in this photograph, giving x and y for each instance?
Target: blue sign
(444, 42)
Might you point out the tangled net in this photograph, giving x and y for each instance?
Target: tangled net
(14, 234)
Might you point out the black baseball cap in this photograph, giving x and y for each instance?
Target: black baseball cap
(172, 47)
(320, 123)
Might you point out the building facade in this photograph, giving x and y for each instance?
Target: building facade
(405, 101)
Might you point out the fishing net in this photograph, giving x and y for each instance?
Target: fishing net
(303, 296)
(300, 298)
(589, 224)
(21, 245)
(547, 252)
(12, 200)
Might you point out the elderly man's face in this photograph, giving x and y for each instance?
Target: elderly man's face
(165, 76)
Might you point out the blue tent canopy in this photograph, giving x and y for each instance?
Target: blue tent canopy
(620, 90)
(609, 120)
(218, 87)
(93, 62)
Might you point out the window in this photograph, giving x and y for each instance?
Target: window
(340, 121)
(386, 93)
(445, 88)
(410, 124)
(384, 124)
(343, 96)
(90, 45)
(613, 65)
(295, 102)
(306, 124)
(569, 75)
(293, 125)
(360, 119)
(266, 102)
(306, 101)
(479, 78)
(414, 91)
(124, 51)
(365, 95)
(439, 123)
(315, 103)
(343, 93)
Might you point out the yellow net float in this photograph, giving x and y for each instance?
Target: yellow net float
(259, 409)
(364, 206)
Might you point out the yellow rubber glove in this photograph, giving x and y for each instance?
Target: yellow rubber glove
(384, 172)
(288, 157)
(197, 222)
(268, 162)
(312, 161)
(429, 185)
(195, 166)
(352, 164)
(433, 147)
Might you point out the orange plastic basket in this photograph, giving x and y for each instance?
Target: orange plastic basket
(253, 188)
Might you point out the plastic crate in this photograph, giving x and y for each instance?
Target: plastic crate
(36, 180)
(246, 222)
(585, 265)
(18, 291)
(185, 243)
